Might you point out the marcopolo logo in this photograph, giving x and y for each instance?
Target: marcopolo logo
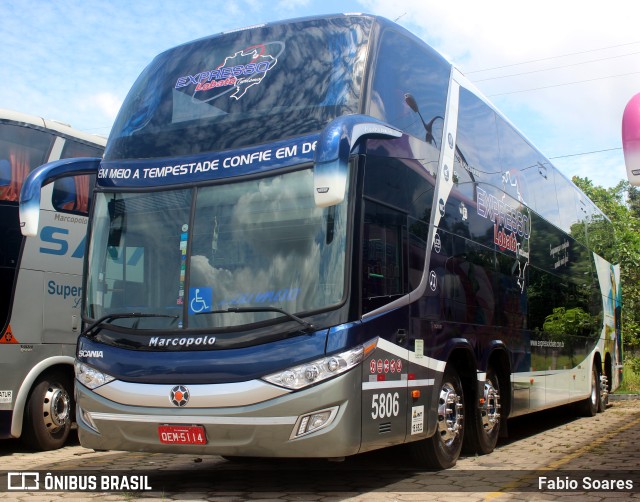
(183, 341)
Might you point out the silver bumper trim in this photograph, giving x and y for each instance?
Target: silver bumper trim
(223, 395)
(193, 419)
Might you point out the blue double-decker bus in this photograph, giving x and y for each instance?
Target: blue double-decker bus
(315, 238)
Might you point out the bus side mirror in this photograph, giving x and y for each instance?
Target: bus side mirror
(5, 173)
(116, 222)
(30, 192)
(334, 147)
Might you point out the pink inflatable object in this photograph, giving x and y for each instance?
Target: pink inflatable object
(631, 139)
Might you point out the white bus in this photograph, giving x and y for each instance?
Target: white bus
(40, 280)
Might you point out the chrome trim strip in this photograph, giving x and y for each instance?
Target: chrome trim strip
(395, 384)
(424, 382)
(222, 395)
(385, 384)
(192, 419)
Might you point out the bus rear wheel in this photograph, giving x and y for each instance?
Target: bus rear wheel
(483, 427)
(589, 406)
(442, 450)
(48, 414)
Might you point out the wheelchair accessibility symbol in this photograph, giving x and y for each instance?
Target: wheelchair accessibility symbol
(200, 300)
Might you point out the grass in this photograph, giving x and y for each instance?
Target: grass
(631, 381)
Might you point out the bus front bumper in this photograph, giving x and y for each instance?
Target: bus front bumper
(256, 419)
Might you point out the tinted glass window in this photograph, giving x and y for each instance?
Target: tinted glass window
(399, 183)
(243, 88)
(396, 228)
(383, 254)
(256, 244)
(477, 151)
(404, 66)
(73, 149)
(21, 150)
(264, 243)
(528, 175)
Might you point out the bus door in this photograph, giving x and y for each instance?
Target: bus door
(51, 264)
(385, 370)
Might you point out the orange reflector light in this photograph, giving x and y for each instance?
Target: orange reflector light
(482, 400)
(415, 394)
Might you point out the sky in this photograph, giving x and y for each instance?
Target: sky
(562, 71)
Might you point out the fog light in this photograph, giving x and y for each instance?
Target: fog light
(88, 421)
(313, 422)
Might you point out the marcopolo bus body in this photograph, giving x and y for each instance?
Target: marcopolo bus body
(314, 238)
(40, 280)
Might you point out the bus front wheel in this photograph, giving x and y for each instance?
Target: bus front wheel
(442, 450)
(48, 414)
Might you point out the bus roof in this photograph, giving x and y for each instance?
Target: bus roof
(50, 124)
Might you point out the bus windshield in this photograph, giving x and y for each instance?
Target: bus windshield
(254, 244)
(243, 88)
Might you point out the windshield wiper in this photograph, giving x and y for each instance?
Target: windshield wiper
(92, 329)
(240, 310)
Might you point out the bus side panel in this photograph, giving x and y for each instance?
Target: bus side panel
(29, 356)
(49, 273)
(384, 396)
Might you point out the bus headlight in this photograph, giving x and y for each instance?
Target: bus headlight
(316, 371)
(89, 376)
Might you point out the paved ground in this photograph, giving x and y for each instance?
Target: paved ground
(591, 452)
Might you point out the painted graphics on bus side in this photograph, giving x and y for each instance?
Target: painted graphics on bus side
(50, 277)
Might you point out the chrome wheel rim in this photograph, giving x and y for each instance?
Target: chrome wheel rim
(449, 414)
(56, 408)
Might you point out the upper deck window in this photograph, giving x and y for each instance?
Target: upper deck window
(406, 66)
(244, 88)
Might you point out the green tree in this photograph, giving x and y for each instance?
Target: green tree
(621, 204)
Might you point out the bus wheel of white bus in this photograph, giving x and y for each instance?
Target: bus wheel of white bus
(442, 450)
(603, 398)
(483, 424)
(589, 406)
(48, 414)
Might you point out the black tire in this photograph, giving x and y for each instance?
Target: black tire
(603, 388)
(589, 406)
(483, 424)
(49, 413)
(442, 450)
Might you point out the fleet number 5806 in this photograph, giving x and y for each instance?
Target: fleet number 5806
(385, 405)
